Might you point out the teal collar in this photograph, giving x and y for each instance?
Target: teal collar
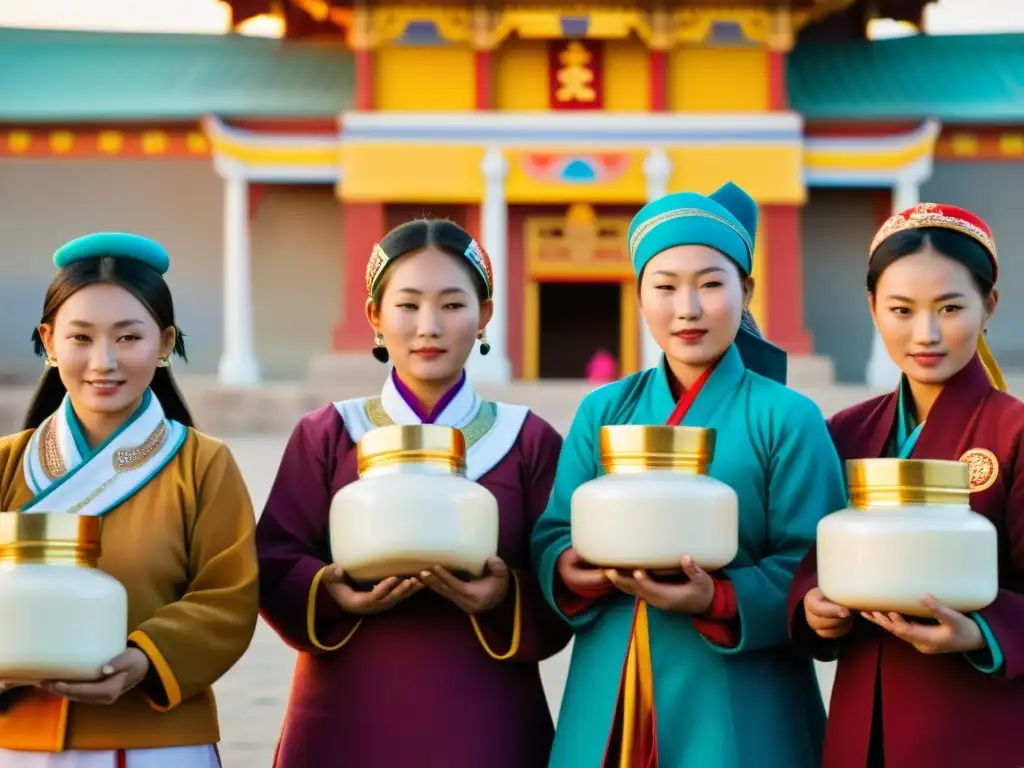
(907, 429)
(723, 381)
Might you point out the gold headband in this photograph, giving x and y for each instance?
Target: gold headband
(932, 215)
(375, 267)
(474, 254)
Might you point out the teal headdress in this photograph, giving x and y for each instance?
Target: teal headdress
(725, 220)
(117, 244)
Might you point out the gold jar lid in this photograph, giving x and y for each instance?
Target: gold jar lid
(894, 482)
(398, 445)
(638, 448)
(49, 537)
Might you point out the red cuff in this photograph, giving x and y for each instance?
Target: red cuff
(719, 625)
(723, 604)
(573, 602)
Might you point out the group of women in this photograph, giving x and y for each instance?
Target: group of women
(711, 669)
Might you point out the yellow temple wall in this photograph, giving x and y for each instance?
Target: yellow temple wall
(410, 172)
(627, 76)
(718, 79)
(438, 78)
(521, 76)
(628, 187)
(771, 174)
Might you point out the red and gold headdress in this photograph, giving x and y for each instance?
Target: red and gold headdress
(958, 220)
(474, 254)
(944, 217)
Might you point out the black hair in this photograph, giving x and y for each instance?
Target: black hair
(443, 234)
(954, 245)
(145, 284)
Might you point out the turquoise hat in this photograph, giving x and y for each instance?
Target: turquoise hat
(120, 245)
(725, 220)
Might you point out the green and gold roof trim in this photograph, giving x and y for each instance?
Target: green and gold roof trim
(72, 77)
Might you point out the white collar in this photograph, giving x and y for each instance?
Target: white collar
(458, 413)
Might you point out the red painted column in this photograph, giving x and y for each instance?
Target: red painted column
(471, 221)
(256, 194)
(784, 303)
(517, 277)
(659, 80)
(364, 225)
(364, 80)
(484, 79)
(778, 94)
(881, 205)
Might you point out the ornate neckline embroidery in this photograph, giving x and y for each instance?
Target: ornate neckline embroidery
(49, 452)
(481, 424)
(124, 459)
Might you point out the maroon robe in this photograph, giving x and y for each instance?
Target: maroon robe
(937, 711)
(413, 687)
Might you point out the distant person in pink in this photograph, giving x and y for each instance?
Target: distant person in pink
(602, 368)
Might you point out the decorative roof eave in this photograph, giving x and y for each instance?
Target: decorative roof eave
(981, 143)
(320, 12)
(600, 130)
(273, 157)
(324, 12)
(487, 27)
(873, 160)
(81, 142)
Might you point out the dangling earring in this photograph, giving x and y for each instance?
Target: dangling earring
(380, 352)
(163, 362)
(51, 361)
(485, 347)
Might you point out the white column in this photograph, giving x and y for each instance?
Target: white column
(238, 365)
(882, 373)
(496, 366)
(657, 169)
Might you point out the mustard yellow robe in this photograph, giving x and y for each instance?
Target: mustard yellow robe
(183, 547)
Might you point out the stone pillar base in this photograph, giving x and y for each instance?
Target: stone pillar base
(810, 372)
(236, 371)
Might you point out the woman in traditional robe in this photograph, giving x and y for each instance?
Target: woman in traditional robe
(948, 692)
(178, 525)
(696, 673)
(425, 671)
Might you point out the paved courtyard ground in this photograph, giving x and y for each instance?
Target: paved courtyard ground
(253, 695)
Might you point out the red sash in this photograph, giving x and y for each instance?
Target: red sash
(633, 741)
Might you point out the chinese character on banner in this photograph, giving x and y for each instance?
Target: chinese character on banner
(575, 74)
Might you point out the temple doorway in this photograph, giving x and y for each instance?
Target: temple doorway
(576, 320)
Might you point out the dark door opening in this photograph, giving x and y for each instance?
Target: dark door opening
(576, 320)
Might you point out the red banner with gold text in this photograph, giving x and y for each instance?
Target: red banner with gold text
(575, 74)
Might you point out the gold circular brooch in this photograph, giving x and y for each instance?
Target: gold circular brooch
(983, 467)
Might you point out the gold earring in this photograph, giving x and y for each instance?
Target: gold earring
(51, 361)
(164, 362)
(485, 347)
(380, 352)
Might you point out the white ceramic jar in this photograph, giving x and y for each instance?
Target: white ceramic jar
(62, 617)
(909, 531)
(412, 507)
(656, 502)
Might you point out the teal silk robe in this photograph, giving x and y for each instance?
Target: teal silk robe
(758, 703)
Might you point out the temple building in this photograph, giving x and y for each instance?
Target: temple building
(271, 167)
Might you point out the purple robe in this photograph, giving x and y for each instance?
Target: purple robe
(413, 685)
(925, 711)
